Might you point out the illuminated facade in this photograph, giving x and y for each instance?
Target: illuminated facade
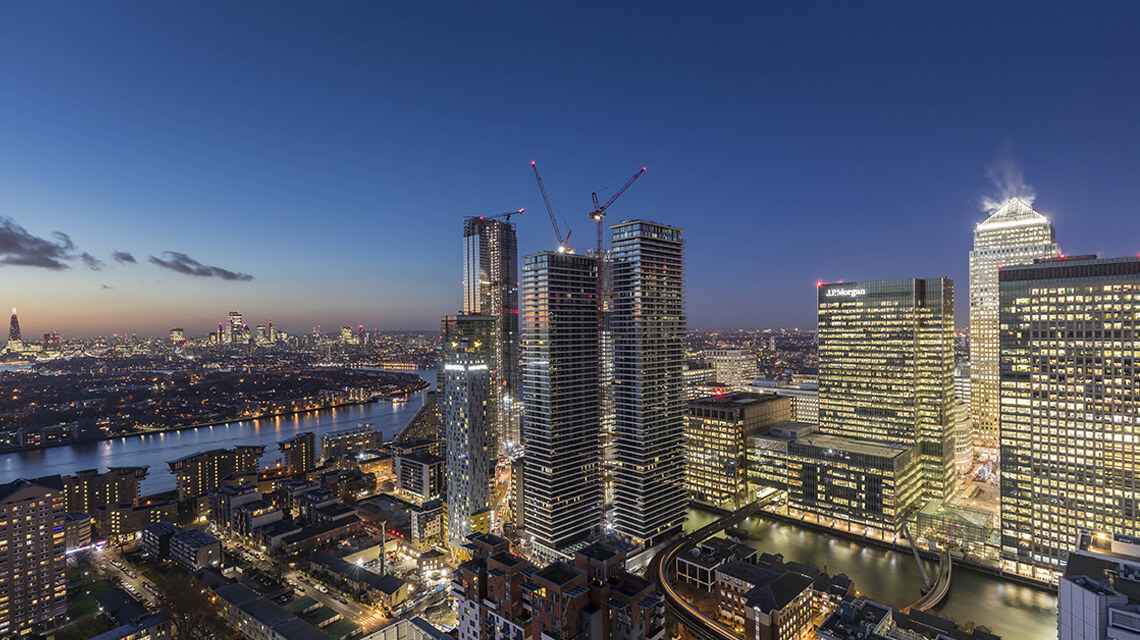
(470, 459)
(33, 584)
(562, 500)
(300, 452)
(491, 288)
(1069, 407)
(200, 473)
(350, 442)
(734, 367)
(1014, 234)
(863, 484)
(715, 433)
(886, 369)
(648, 323)
(88, 490)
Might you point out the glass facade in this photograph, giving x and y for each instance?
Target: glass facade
(562, 496)
(1014, 234)
(1069, 407)
(491, 288)
(648, 325)
(715, 452)
(886, 369)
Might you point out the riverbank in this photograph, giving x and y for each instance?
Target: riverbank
(925, 554)
(891, 576)
(196, 425)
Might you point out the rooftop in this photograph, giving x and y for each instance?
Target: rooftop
(735, 399)
(558, 573)
(854, 445)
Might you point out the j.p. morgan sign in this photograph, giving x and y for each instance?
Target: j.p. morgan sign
(845, 292)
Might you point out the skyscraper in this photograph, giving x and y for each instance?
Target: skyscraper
(1069, 407)
(491, 288)
(14, 327)
(886, 369)
(562, 504)
(33, 584)
(470, 458)
(1013, 234)
(648, 325)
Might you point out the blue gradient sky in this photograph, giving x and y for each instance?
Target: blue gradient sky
(332, 151)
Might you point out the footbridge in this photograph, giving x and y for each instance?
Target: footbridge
(941, 585)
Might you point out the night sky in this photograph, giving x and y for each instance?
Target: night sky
(312, 164)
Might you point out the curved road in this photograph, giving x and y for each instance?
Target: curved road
(706, 628)
(694, 620)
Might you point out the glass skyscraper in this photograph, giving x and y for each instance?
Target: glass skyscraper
(1014, 234)
(491, 288)
(886, 369)
(648, 324)
(1070, 411)
(562, 496)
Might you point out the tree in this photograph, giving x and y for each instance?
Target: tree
(192, 613)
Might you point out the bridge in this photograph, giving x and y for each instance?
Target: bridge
(941, 586)
(704, 627)
(696, 622)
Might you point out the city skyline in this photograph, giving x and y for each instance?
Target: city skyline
(317, 206)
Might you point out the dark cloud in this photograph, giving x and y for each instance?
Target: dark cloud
(20, 248)
(123, 257)
(106, 286)
(183, 263)
(91, 262)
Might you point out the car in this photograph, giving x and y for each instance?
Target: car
(341, 600)
(322, 588)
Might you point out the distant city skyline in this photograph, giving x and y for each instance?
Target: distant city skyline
(206, 158)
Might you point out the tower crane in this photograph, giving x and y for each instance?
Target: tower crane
(562, 242)
(506, 214)
(599, 211)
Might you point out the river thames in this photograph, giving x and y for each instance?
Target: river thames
(1012, 611)
(156, 450)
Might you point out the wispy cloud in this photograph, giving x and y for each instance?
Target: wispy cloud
(123, 257)
(106, 287)
(183, 263)
(1008, 181)
(20, 248)
(91, 262)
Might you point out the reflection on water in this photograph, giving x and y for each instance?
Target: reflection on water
(1012, 611)
(157, 449)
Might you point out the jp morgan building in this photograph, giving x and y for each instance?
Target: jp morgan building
(886, 370)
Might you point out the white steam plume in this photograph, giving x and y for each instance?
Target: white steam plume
(1008, 181)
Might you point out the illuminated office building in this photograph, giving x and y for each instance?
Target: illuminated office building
(648, 323)
(470, 466)
(715, 433)
(177, 335)
(33, 584)
(1014, 234)
(562, 502)
(491, 288)
(1069, 407)
(886, 369)
(805, 397)
(734, 367)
